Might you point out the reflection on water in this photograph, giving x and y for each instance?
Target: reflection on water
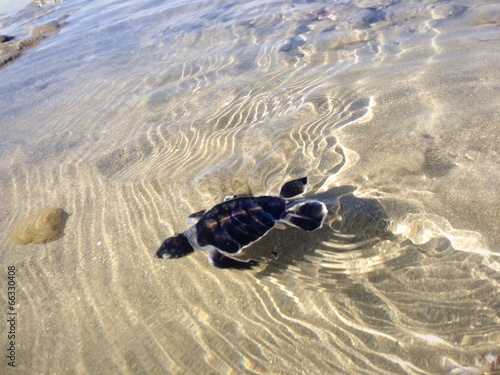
(132, 115)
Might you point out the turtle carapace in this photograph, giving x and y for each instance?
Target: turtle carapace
(236, 223)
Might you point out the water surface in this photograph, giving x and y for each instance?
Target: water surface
(131, 115)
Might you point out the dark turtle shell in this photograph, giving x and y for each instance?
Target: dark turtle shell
(238, 221)
(234, 224)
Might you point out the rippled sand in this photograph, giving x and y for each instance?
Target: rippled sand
(133, 115)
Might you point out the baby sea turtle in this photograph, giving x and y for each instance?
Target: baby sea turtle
(236, 223)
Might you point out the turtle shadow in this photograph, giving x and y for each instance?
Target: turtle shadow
(352, 223)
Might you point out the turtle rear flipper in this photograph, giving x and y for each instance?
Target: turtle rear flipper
(307, 215)
(294, 188)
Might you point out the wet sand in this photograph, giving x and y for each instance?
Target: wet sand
(135, 115)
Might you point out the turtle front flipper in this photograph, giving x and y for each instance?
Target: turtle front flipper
(194, 218)
(219, 260)
(294, 188)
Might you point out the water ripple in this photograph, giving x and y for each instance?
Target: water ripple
(142, 113)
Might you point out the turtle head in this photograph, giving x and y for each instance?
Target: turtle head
(175, 247)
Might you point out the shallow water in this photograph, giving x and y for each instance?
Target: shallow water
(10, 6)
(131, 115)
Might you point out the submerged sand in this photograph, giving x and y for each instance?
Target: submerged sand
(135, 115)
